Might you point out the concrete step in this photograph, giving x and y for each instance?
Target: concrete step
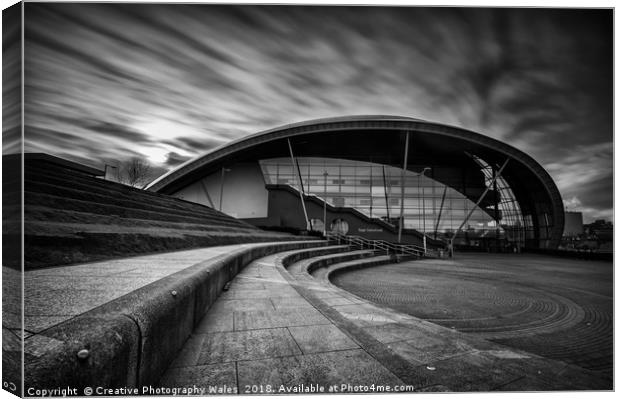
(430, 356)
(72, 217)
(80, 184)
(42, 215)
(101, 208)
(136, 205)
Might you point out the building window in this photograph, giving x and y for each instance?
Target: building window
(316, 224)
(339, 226)
(429, 205)
(338, 201)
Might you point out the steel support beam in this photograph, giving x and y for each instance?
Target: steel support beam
(299, 182)
(402, 189)
(491, 184)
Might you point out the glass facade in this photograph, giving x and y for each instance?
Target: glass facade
(429, 206)
(517, 227)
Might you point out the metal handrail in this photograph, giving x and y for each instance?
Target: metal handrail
(388, 247)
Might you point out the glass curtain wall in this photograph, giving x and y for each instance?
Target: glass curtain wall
(375, 190)
(515, 225)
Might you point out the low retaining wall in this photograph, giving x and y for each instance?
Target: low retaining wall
(131, 341)
(587, 255)
(362, 264)
(296, 256)
(330, 260)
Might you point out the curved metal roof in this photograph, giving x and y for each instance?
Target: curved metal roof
(360, 123)
(323, 125)
(161, 181)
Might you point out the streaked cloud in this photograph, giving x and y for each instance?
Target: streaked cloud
(110, 81)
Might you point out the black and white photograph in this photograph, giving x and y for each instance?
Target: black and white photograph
(204, 199)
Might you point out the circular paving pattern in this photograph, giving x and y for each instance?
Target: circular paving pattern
(528, 312)
(469, 306)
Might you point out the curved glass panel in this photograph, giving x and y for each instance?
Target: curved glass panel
(375, 190)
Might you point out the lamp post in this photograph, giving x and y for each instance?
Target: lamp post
(423, 201)
(423, 207)
(325, 174)
(224, 170)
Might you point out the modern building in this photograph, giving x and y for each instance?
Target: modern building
(358, 174)
(573, 224)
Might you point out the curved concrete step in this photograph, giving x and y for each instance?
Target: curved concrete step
(317, 261)
(428, 355)
(292, 257)
(279, 326)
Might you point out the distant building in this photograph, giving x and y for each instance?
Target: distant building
(573, 224)
(601, 229)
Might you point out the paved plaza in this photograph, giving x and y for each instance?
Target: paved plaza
(556, 308)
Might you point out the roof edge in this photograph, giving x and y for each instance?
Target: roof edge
(310, 122)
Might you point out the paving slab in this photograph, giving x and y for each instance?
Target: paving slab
(245, 285)
(323, 369)
(230, 305)
(290, 302)
(37, 324)
(258, 294)
(247, 345)
(321, 338)
(363, 314)
(284, 317)
(467, 372)
(337, 300)
(190, 353)
(219, 319)
(11, 340)
(394, 332)
(212, 376)
(429, 349)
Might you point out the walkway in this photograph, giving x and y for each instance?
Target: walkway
(277, 330)
(56, 294)
(261, 333)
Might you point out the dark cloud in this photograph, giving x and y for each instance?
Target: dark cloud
(194, 144)
(174, 159)
(116, 130)
(75, 53)
(172, 81)
(11, 81)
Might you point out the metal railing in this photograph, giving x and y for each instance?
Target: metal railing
(381, 246)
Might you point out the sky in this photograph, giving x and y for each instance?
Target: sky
(105, 83)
